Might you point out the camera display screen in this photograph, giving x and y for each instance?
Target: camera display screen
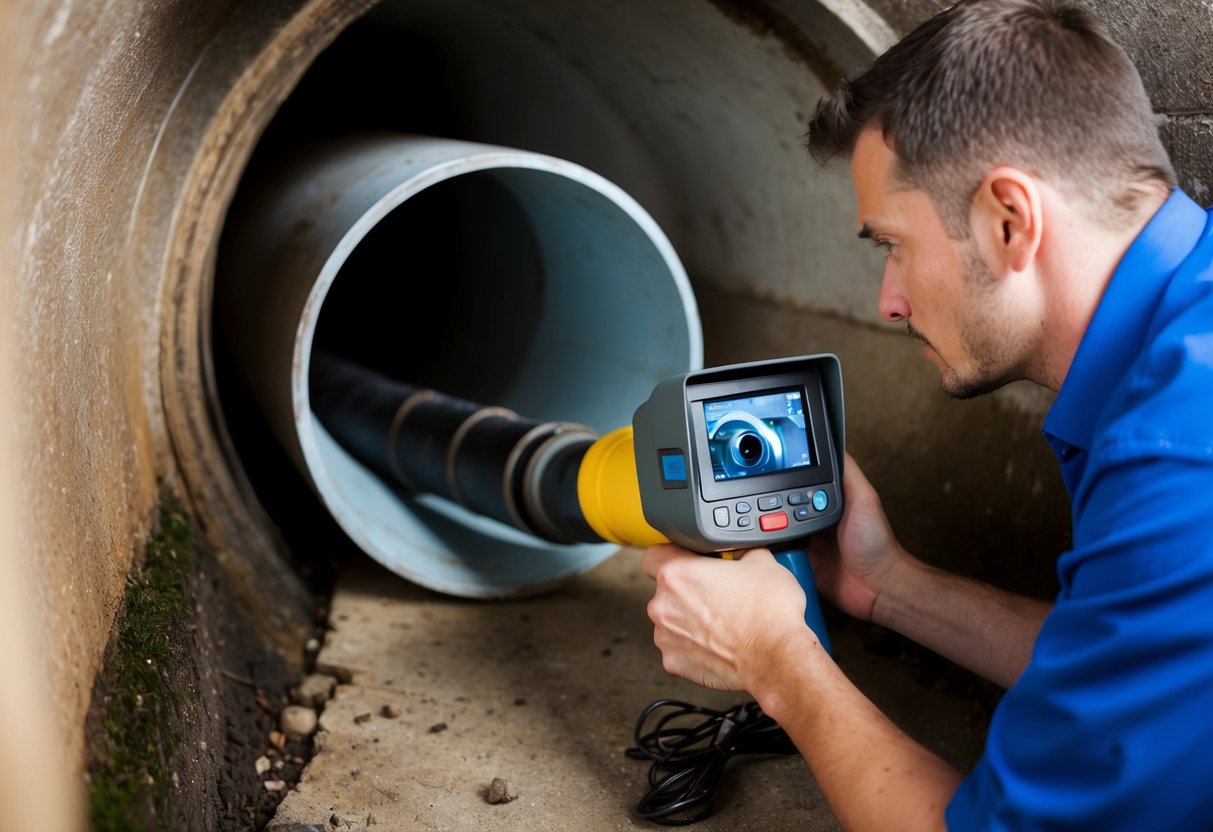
(758, 434)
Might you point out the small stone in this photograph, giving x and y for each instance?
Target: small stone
(312, 645)
(297, 720)
(501, 791)
(314, 690)
(262, 765)
(389, 712)
(279, 765)
(336, 821)
(362, 718)
(438, 728)
(274, 785)
(520, 701)
(278, 739)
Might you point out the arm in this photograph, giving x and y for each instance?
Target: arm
(864, 570)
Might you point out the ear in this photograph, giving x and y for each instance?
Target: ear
(1006, 218)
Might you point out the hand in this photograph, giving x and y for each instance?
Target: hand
(720, 623)
(852, 561)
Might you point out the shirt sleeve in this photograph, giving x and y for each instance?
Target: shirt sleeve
(1110, 726)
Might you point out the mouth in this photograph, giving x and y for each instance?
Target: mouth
(928, 347)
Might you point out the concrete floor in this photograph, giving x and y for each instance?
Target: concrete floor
(545, 693)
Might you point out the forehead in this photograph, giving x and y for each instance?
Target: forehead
(886, 204)
(872, 173)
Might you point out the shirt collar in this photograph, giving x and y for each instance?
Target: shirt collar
(1118, 329)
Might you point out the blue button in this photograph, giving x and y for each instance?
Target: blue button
(673, 466)
(743, 507)
(820, 500)
(801, 513)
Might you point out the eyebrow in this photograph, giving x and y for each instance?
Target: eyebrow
(866, 233)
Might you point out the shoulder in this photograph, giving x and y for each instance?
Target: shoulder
(1164, 404)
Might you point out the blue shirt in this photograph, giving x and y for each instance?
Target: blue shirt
(1111, 724)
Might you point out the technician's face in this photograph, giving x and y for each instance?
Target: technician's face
(938, 286)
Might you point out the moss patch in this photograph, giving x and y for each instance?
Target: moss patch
(130, 784)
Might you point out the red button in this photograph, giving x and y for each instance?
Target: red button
(773, 522)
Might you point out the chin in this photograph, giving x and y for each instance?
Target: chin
(960, 387)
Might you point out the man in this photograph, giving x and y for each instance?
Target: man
(1004, 156)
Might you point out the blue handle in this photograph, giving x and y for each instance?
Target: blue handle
(797, 562)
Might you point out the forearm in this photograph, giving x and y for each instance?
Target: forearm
(874, 776)
(985, 629)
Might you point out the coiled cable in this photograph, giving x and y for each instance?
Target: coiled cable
(690, 746)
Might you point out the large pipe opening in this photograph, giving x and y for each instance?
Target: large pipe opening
(535, 273)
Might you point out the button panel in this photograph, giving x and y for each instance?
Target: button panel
(739, 514)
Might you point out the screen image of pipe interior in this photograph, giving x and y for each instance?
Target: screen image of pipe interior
(758, 434)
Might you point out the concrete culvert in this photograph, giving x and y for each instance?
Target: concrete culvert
(133, 136)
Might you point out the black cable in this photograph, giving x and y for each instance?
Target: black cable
(689, 757)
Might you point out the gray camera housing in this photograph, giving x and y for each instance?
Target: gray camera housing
(714, 492)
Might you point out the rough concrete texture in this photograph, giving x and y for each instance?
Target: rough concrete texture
(545, 693)
(109, 120)
(31, 759)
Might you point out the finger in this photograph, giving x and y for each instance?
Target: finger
(658, 556)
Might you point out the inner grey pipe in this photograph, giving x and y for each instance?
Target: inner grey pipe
(491, 274)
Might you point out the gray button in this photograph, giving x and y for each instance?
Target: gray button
(744, 522)
(798, 498)
(768, 503)
(721, 516)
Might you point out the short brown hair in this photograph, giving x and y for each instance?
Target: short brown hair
(1031, 83)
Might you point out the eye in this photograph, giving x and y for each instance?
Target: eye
(887, 246)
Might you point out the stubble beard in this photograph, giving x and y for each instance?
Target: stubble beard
(986, 337)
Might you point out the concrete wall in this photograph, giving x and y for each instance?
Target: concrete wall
(125, 128)
(108, 122)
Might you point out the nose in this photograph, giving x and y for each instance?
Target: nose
(893, 305)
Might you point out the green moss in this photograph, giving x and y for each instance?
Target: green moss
(129, 756)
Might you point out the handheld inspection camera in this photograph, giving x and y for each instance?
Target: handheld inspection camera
(744, 456)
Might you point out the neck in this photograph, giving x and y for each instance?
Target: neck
(1077, 260)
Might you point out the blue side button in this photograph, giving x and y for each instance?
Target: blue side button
(673, 468)
(820, 500)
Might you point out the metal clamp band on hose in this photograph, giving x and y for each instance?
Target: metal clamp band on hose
(533, 476)
(511, 466)
(452, 451)
(402, 413)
